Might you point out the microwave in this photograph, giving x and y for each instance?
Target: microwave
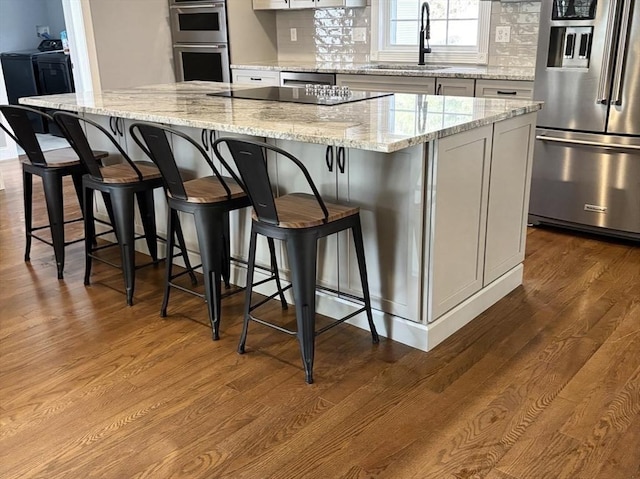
(198, 21)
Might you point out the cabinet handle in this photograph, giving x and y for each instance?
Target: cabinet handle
(328, 158)
(205, 140)
(119, 127)
(255, 79)
(111, 125)
(439, 89)
(341, 159)
(501, 92)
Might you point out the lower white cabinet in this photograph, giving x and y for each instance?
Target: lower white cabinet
(455, 86)
(504, 89)
(256, 77)
(388, 83)
(457, 205)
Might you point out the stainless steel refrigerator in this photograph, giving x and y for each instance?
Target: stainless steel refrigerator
(586, 170)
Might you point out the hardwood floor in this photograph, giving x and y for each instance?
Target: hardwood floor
(546, 384)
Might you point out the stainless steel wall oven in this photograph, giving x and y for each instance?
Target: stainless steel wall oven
(200, 41)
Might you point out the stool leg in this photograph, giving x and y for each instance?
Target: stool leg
(302, 251)
(208, 225)
(122, 200)
(248, 290)
(356, 230)
(146, 205)
(171, 225)
(52, 184)
(27, 182)
(226, 249)
(183, 247)
(89, 231)
(276, 273)
(77, 184)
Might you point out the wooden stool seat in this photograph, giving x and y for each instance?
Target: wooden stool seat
(209, 190)
(301, 210)
(62, 157)
(124, 173)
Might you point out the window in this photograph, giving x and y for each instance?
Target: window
(459, 30)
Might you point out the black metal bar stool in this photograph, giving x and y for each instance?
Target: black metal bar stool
(51, 166)
(121, 184)
(209, 199)
(299, 220)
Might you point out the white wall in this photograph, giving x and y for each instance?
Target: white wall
(18, 20)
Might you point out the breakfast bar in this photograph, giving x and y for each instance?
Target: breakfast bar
(442, 184)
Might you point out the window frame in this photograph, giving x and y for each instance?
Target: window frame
(382, 51)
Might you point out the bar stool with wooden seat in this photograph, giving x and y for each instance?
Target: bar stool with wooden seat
(298, 219)
(51, 167)
(121, 184)
(209, 199)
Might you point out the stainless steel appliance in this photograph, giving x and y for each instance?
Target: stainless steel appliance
(200, 44)
(586, 170)
(296, 79)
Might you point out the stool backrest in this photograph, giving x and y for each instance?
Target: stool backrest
(156, 145)
(250, 159)
(71, 126)
(23, 133)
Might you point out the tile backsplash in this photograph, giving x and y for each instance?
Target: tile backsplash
(327, 35)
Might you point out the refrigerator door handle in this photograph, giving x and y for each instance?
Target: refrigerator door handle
(604, 84)
(596, 144)
(622, 52)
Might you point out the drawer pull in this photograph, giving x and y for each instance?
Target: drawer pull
(502, 92)
(256, 79)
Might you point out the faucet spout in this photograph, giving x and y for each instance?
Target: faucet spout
(425, 32)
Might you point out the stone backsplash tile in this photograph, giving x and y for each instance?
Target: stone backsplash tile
(523, 18)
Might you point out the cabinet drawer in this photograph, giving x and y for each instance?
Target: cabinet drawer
(504, 89)
(256, 77)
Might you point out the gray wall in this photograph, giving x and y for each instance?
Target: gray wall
(18, 20)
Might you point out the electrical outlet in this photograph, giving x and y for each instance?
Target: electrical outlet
(359, 34)
(294, 34)
(503, 34)
(42, 30)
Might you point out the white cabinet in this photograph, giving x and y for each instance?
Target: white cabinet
(508, 195)
(256, 77)
(455, 86)
(291, 4)
(391, 216)
(457, 204)
(388, 83)
(504, 89)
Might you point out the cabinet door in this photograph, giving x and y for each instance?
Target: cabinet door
(270, 4)
(388, 83)
(388, 189)
(504, 89)
(291, 180)
(302, 3)
(509, 195)
(455, 87)
(458, 194)
(256, 77)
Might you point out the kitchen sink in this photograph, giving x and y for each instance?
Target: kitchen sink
(404, 66)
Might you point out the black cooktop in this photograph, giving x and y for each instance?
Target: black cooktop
(329, 97)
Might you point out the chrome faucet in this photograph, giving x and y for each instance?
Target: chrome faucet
(425, 32)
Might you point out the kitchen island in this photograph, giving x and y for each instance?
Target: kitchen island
(442, 183)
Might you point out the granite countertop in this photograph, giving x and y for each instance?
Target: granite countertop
(384, 124)
(396, 69)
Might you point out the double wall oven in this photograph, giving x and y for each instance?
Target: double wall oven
(200, 45)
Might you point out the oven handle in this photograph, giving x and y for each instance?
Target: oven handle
(203, 5)
(588, 143)
(211, 46)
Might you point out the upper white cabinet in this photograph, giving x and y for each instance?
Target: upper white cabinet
(291, 4)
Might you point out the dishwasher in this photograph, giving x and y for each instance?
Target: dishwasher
(299, 79)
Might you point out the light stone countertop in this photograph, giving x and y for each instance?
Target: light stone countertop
(395, 69)
(385, 124)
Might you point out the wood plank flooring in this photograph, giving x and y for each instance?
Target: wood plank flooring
(546, 384)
